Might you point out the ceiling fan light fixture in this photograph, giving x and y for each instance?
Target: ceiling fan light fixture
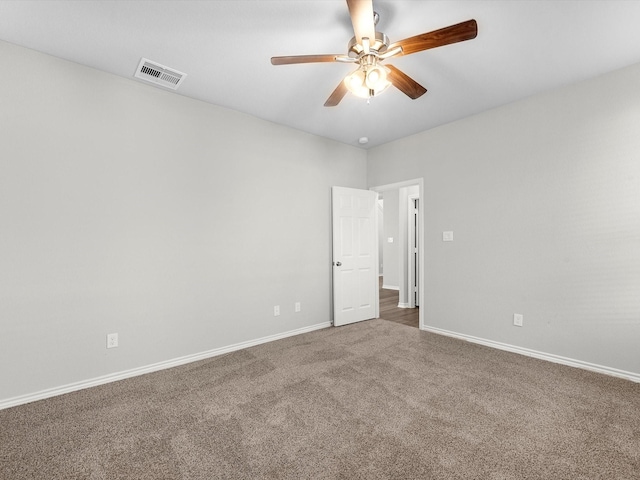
(381, 87)
(356, 80)
(355, 83)
(368, 81)
(376, 77)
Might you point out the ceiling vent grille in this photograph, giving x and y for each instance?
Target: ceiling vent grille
(159, 74)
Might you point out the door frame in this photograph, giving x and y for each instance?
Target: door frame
(409, 183)
(413, 221)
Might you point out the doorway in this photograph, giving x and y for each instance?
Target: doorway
(401, 280)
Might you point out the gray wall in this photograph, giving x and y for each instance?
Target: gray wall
(125, 208)
(543, 197)
(390, 256)
(177, 224)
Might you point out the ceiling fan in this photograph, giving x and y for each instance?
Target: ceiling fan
(369, 49)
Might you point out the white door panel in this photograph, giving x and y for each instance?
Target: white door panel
(355, 252)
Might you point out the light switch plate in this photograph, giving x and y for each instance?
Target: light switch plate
(390, 240)
(447, 236)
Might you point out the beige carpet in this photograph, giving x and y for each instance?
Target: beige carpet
(371, 400)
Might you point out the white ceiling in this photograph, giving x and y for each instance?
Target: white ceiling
(522, 48)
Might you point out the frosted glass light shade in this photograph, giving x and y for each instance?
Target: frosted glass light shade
(368, 81)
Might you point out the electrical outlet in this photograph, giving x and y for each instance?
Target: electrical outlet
(112, 340)
(276, 310)
(297, 307)
(518, 319)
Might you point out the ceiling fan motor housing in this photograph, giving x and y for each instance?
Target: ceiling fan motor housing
(379, 46)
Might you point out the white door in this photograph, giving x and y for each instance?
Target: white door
(355, 255)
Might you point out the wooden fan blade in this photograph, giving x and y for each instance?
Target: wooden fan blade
(337, 95)
(303, 59)
(445, 36)
(361, 12)
(404, 83)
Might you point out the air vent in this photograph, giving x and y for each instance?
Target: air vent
(159, 74)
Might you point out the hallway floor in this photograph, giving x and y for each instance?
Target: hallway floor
(389, 308)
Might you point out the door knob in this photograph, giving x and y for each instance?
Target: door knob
(338, 264)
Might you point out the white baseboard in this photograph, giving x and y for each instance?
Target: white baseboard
(114, 377)
(390, 287)
(614, 372)
(404, 305)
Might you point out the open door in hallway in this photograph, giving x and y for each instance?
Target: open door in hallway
(355, 252)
